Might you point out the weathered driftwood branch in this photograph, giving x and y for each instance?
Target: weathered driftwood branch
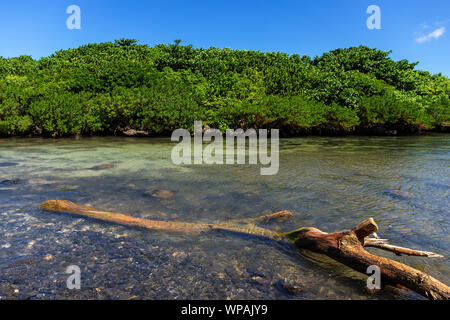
(185, 227)
(277, 216)
(382, 244)
(346, 247)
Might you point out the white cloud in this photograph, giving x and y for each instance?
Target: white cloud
(436, 34)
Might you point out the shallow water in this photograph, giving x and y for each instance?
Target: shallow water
(330, 183)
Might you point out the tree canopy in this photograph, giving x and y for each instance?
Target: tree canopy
(110, 87)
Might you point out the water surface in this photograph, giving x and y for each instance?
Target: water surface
(330, 183)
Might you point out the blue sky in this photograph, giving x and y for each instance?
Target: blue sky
(414, 30)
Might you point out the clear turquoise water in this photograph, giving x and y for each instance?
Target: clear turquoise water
(331, 183)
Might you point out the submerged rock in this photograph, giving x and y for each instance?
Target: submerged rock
(221, 276)
(291, 286)
(399, 194)
(7, 164)
(9, 182)
(261, 281)
(103, 166)
(157, 193)
(442, 186)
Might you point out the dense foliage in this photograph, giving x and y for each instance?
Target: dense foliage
(111, 87)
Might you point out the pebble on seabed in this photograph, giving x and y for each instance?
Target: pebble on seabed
(291, 286)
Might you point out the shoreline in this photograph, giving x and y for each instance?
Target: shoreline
(313, 132)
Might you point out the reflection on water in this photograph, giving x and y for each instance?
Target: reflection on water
(330, 183)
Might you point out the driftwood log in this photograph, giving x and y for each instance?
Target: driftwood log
(346, 247)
